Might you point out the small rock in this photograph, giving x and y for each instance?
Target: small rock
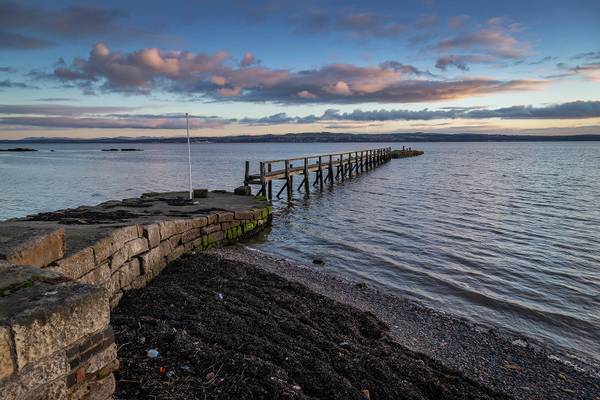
(361, 285)
(296, 388)
(219, 296)
(344, 344)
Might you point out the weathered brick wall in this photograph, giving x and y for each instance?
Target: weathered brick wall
(55, 337)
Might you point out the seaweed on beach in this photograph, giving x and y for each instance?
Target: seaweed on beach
(228, 330)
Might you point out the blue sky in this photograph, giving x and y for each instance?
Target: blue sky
(85, 69)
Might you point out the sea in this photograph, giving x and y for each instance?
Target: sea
(505, 234)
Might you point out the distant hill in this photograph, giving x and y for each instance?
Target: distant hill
(324, 137)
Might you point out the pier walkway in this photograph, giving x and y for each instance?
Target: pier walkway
(326, 168)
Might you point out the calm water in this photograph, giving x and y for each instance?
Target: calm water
(506, 234)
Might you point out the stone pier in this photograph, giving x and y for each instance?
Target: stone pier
(62, 272)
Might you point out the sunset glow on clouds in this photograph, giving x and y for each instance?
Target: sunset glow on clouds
(79, 69)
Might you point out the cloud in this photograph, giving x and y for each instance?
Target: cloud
(58, 109)
(589, 71)
(248, 60)
(61, 116)
(214, 77)
(8, 69)
(17, 41)
(590, 55)
(7, 83)
(355, 24)
(495, 39)
(461, 62)
(27, 27)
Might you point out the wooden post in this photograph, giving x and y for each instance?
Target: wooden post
(362, 161)
(321, 173)
(247, 173)
(330, 169)
(288, 181)
(270, 184)
(349, 165)
(306, 182)
(263, 188)
(342, 166)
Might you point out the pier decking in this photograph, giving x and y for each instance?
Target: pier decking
(327, 168)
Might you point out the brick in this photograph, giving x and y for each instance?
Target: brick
(136, 246)
(6, 362)
(76, 265)
(152, 233)
(224, 216)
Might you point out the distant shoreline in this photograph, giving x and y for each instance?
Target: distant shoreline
(322, 137)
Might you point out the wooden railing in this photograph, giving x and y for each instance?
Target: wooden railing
(327, 168)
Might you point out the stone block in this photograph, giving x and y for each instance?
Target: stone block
(136, 246)
(123, 235)
(46, 318)
(99, 276)
(210, 229)
(244, 214)
(152, 233)
(174, 241)
(102, 389)
(152, 261)
(243, 191)
(200, 193)
(199, 222)
(103, 249)
(212, 219)
(76, 265)
(190, 235)
(176, 253)
(165, 247)
(102, 359)
(129, 271)
(224, 216)
(215, 237)
(38, 251)
(167, 229)
(119, 258)
(6, 363)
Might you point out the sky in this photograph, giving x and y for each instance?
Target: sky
(123, 68)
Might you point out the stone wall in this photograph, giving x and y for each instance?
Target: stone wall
(132, 256)
(55, 336)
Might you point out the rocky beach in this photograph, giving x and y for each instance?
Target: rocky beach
(236, 323)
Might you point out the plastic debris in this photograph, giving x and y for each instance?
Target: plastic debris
(219, 296)
(153, 353)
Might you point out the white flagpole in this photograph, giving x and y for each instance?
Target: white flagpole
(187, 124)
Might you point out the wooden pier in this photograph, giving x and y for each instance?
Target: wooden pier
(326, 169)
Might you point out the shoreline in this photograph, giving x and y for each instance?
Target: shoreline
(499, 359)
